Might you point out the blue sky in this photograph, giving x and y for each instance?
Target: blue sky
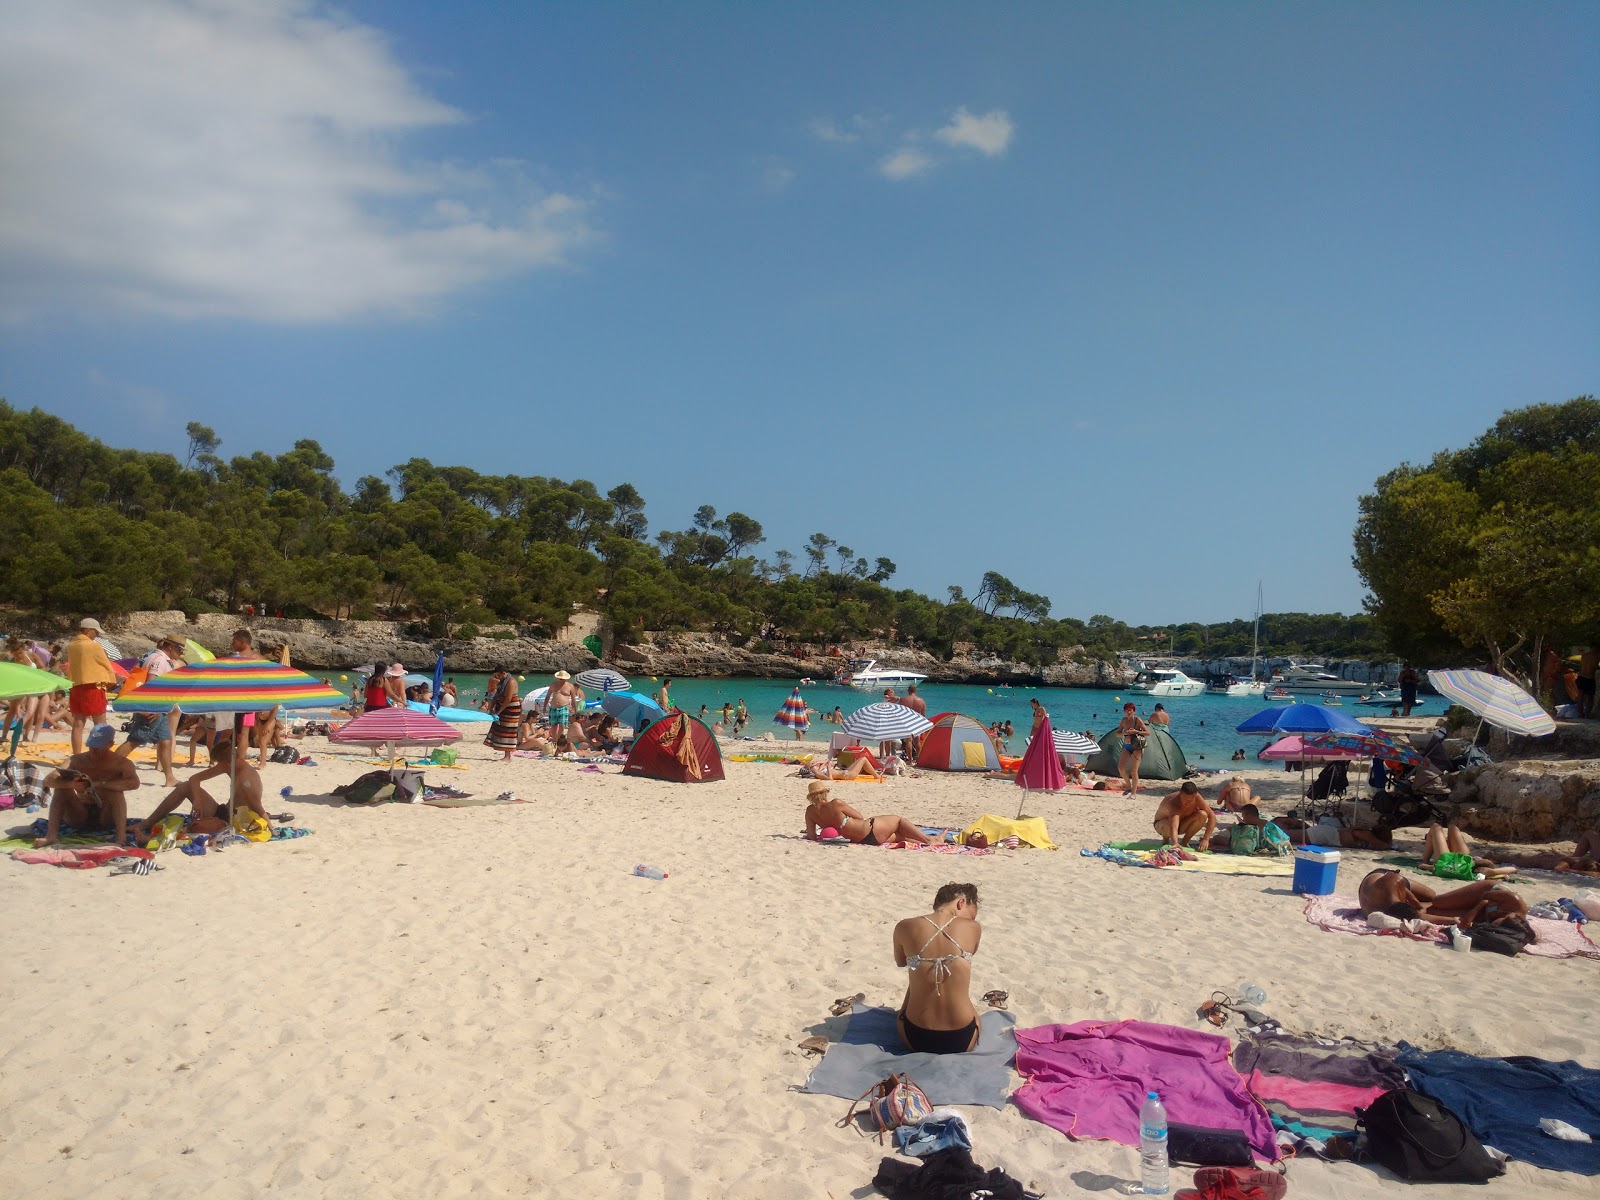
(1128, 302)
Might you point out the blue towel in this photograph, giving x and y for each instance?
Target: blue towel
(871, 1049)
(1502, 1100)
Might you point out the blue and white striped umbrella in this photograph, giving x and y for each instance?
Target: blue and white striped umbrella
(886, 722)
(602, 679)
(1498, 701)
(1068, 742)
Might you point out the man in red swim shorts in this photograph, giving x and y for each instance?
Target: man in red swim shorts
(90, 672)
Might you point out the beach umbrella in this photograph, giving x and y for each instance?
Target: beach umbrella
(438, 684)
(413, 678)
(885, 722)
(395, 727)
(1300, 718)
(793, 713)
(19, 681)
(633, 709)
(1376, 744)
(1296, 748)
(602, 679)
(1041, 769)
(1493, 699)
(111, 648)
(194, 652)
(1068, 742)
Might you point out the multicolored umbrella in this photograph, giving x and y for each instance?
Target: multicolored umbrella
(885, 721)
(395, 727)
(602, 679)
(793, 713)
(1296, 748)
(230, 685)
(1498, 701)
(1376, 744)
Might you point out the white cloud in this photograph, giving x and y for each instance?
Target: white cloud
(825, 129)
(904, 163)
(777, 175)
(989, 134)
(239, 158)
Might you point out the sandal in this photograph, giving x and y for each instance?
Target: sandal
(1245, 1183)
(845, 1003)
(996, 999)
(141, 866)
(283, 818)
(815, 1045)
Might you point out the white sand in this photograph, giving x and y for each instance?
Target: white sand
(484, 1002)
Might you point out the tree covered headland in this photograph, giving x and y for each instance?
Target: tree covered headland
(88, 528)
(1491, 553)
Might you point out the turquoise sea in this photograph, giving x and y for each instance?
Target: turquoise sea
(1202, 724)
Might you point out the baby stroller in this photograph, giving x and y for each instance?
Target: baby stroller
(1414, 799)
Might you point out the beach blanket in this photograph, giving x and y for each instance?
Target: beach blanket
(1088, 1080)
(935, 848)
(77, 858)
(871, 1049)
(1503, 1099)
(1557, 939)
(1029, 829)
(1144, 854)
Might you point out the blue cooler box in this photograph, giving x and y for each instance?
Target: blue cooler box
(1316, 869)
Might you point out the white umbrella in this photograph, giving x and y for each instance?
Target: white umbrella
(602, 679)
(1068, 742)
(886, 722)
(1495, 700)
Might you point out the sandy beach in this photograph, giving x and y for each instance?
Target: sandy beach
(485, 1002)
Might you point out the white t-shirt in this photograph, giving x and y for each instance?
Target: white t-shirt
(156, 663)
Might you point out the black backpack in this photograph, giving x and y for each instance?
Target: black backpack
(1422, 1141)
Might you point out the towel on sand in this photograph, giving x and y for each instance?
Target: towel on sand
(76, 857)
(1502, 1100)
(871, 1049)
(1557, 939)
(1029, 829)
(1205, 862)
(1088, 1080)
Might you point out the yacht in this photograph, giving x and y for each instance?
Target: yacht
(865, 675)
(1314, 679)
(1155, 681)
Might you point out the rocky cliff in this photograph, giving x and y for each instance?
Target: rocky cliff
(1529, 800)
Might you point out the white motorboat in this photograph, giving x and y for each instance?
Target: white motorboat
(1157, 681)
(865, 675)
(1313, 679)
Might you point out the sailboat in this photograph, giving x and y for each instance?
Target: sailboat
(1253, 686)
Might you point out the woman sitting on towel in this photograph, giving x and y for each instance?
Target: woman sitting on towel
(823, 812)
(937, 1016)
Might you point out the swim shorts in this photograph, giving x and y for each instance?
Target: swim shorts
(87, 700)
(560, 715)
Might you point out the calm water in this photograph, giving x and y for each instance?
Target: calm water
(1202, 724)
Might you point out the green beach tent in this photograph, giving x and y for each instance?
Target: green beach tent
(1163, 757)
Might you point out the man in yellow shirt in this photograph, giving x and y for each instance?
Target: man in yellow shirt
(90, 672)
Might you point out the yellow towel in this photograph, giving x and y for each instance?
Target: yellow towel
(1030, 830)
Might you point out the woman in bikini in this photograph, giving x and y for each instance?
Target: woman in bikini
(937, 1016)
(1131, 728)
(1483, 902)
(823, 812)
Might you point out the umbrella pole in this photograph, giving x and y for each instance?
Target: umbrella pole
(233, 759)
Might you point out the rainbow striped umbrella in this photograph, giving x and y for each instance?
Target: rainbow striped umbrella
(230, 685)
(1497, 701)
(793, 712)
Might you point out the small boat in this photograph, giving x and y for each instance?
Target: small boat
(1156, 681)
(1382, 699)
(1278, 695)
(1331, 700)
(865, 675)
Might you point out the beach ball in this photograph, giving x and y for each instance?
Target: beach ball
(522, 677)
(829, 832)
(345, 678)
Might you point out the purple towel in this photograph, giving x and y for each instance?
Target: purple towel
(1089, 1079)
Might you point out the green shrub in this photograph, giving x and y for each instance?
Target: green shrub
(465, 633)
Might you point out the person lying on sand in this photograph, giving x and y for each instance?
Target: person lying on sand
(90, 792)
(1441, 839)
(824, 812)
(1483, 902)
(937, 1016)
(825, 769)
(1182, 814)
(1303, 834)
(211, 814)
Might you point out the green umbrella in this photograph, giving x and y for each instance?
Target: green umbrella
(17, 681)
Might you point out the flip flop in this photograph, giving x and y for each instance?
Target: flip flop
(141, 866)
(996, 999)
(845, 1003)
(283, 818)
(815, 1045)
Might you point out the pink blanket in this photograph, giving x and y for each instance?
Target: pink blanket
(1089, 1079)
(78, 858)
(1557, 939)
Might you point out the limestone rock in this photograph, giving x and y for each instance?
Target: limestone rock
(1530, 800)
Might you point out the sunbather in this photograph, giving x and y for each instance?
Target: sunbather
(90, 793)
(1441, 839)
(1235, 794)
(824, 812)
(1481, 902)
(1303, 833)
(937, 1016)
(1183, 814)
(862, 765)
(211, 814)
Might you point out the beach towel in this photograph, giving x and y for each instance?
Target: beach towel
(1502, 1100)
(1557, 939)
(871, 1049)
(77, 858)
(1089, 1079)
(1143, 854)
(935, 848)
(1030, 830)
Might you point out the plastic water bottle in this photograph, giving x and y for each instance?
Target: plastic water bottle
(1154, 1173)
(1574, 913)
(1250, 994)
(646, 871)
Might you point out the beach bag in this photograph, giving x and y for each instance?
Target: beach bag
(1138, 740)
(1504, 937)
(284, 754)
(1245, 839)
(1454, 866)
(251, 825)
(1275, 841)
(1422, 1141)
(891, 1103)
(444, 756)
(372, 788)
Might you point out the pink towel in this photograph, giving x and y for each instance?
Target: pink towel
(1089, 1079)
(1311, 1096)
(78, 858)
(1557, 939)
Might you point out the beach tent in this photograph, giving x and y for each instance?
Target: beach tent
(958, 743)
(1163, 757)
(676, 748)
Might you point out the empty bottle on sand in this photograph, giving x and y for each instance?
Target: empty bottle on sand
(1154, 1173)
(646, 871)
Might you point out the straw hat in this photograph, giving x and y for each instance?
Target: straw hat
(563, 675)
(819, 787)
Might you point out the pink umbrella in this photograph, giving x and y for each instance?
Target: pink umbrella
(1041, 768)
(1294, 749)
(394, 727)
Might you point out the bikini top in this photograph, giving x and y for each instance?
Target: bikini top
(941, 963)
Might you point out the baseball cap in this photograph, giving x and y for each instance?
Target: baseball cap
(90, 623)
(101, 736)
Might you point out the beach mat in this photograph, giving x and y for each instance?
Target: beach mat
(871, 1049)
(1342, 914)
(1206, 862)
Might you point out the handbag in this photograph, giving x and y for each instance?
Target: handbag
(1138, 740)
(1422, 1141)
(1503, 937)
(1201, 1147)
(890, 1103)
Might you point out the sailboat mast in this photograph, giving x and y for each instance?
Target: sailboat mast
(1255, 641)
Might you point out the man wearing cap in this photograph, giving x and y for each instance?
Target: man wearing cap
(89, 794)
(90, 672)
(559, 703)
(155, 729)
